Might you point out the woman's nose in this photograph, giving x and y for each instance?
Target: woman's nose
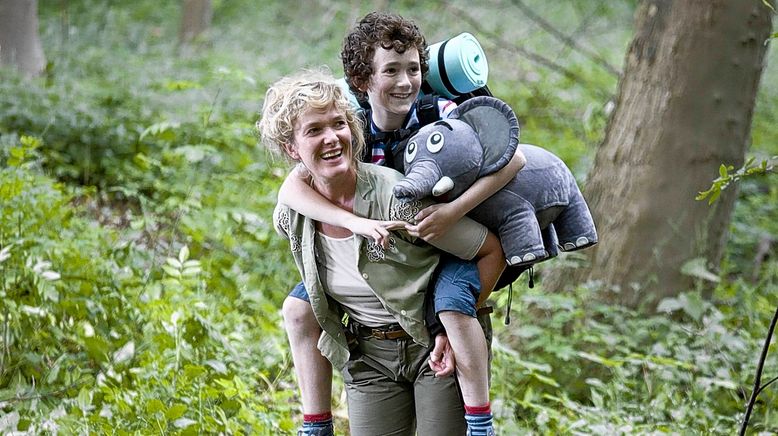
(330, 137)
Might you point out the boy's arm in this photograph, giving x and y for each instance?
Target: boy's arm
(438, 219)
(297, 194)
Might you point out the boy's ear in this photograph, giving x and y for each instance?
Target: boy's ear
(362, 85)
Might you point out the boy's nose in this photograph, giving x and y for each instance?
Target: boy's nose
(404, 80)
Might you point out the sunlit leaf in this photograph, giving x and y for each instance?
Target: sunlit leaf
(125, 353)
(183, 254)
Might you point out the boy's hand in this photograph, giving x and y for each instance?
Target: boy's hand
(442, 359)
(433, 221)
(374, 229)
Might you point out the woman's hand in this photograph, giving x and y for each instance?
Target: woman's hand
(374, 229)
(442, 359)
(433, 221)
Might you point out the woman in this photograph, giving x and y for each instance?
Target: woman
(384, 59)
(390, 388)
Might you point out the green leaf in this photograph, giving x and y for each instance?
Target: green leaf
(693, 305)
(193, 371)
(183, 254)
(669, 305)
(544, 379)
(175, 411)
(191, 272)
(723, 171)
(173, 262)
(125, 353)
(172, 272)
(600, 359)
(154, 406)
(164, 130)
(183, 422)
(84, 399)
(697, 267)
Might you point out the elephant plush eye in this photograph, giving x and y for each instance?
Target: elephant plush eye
(435, 142)
(410, 151)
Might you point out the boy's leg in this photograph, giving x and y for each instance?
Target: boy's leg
(313, 371)
(456, 290)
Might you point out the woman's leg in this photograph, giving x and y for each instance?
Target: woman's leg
(439, 409)
(380, 397)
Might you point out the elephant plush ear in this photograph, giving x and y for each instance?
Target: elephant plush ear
(497, 128)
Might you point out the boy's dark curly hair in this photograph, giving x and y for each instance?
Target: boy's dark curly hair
(388, 30)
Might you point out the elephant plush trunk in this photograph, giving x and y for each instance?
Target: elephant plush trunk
(419, 181)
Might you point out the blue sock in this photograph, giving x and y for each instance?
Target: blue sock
(316, 425)
(479, 421)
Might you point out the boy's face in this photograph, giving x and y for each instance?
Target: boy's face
(393, 86)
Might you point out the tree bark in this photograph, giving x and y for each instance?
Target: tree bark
(195, 19)
(20, 45)
(684, 107)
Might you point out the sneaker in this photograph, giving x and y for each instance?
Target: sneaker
(316, 431)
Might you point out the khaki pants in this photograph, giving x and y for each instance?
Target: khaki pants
(392, 391)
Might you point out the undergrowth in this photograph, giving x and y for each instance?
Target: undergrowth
(141, 278)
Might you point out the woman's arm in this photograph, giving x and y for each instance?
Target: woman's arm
(437, 219)
(297, 194)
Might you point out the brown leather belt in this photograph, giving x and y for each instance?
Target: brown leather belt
(392, 332)
(484, 310)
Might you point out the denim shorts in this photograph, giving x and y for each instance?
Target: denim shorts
(456, 286)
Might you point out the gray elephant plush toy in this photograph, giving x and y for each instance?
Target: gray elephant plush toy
(538, 211)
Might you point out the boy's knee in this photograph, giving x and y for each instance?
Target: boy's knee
(298, 315)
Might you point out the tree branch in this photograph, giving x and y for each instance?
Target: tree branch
(548, 27)
(522, 51)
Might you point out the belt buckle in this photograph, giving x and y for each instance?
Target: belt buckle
(378, 334)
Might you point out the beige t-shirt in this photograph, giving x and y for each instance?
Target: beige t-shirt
(346, 285)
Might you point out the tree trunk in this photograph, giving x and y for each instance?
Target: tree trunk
(684, 107)
(20, 45)
(195, 19)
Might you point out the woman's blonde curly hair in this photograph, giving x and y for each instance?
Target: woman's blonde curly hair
(290, 96)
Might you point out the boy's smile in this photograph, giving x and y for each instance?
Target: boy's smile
(394, 86)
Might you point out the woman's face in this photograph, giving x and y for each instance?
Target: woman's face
(394, 86)
(322, 142)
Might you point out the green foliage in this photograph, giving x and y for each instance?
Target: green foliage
(141, 278)
(100, 332)
(727, 177)
(570, 365)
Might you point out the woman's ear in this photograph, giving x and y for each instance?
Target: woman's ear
(291, 150)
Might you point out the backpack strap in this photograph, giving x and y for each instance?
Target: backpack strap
(427, 109)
